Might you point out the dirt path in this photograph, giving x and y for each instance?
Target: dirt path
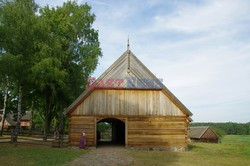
(104, 156)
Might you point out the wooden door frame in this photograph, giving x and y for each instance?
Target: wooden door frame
(123, 119)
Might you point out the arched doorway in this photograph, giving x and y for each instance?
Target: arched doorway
(110, 131)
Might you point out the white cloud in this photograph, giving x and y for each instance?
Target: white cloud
(212, 15)
(201, 50)
(208, 71)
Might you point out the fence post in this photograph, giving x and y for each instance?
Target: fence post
(12, 135)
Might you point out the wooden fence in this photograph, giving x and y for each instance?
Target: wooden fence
(35, 139)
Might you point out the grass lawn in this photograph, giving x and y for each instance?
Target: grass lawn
(234, 150)
(24, 155)
(237, 139)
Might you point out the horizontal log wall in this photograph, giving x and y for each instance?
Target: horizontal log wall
(167, 131)
(158, 131)
(79, 123)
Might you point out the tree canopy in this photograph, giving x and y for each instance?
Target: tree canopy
(46, 53)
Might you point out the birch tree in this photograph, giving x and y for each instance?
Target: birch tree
(18, 30)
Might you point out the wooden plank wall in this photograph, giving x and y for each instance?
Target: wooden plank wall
(157, 131)
(168, 131)
(79, 123)
(127, 102)
(209, 134)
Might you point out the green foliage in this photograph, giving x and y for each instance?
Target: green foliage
(1, 97)
(38, 120)
(49, 52)
(221, 133)
(17, 31)
(10, 64)
(47, 74)
(103, 126)
(228, 128)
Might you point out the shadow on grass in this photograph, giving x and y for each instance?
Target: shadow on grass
(192, 147)
(159, 158)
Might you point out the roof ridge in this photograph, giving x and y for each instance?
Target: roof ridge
(205, 129)
(140, 71)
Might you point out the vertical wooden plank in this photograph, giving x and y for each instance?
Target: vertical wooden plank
(96, 101)
(99, 100)
(143, 102)
(151, 103)
(161, 104)
(127, 102)
(109, 104)
(90, 103)
(157, 102)
(121, 102)
(69, 141)
(102, 101)
(154, 103)
(113, 102)
(133, 102)
(116, 103)
(137, 102)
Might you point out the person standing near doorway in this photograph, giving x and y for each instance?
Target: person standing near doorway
(83, 140)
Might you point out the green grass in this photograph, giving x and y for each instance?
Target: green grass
(237, 139)
(234, 150)
(36, 155)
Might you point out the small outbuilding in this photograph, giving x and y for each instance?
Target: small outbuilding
(26, 120)
(9, 122)
(203, 134)
(141, 110)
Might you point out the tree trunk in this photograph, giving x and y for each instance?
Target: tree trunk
(19, 114)
(61, 129)
(4, 109)
(31, 119)
(47, 113)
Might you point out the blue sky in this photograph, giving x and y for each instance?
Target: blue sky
(201, 49)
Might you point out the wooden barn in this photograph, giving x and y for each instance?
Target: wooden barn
(8, 123)
(26, 120)
(9, 120)
(142, 111)
(203, 134)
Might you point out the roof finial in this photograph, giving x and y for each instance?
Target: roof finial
(128, 43)
(128, 53)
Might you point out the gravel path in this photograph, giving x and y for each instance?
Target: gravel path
(103, 156)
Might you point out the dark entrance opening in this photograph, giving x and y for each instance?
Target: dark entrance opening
(110, 131)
